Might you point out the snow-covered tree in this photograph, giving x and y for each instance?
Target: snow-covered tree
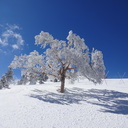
(63, 59)
(24, 80)
(6, 79)
(1, 84)
(32, 78)
(97, 63)
(4, 82)
(72, 56)
(9, 75)
(42, 78)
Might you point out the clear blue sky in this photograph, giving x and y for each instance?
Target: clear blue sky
(102, 23)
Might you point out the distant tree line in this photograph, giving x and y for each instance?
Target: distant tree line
(32, 78)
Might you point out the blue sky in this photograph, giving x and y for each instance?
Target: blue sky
(102, 23)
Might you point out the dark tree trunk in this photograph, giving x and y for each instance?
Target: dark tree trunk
(62, 82)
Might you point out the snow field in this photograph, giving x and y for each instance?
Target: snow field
(83, 105)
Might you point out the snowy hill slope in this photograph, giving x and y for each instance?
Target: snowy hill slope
(83, 105)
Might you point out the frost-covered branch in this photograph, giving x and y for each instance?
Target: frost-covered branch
(32, 62)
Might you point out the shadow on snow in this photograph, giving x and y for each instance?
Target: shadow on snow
(110, 101)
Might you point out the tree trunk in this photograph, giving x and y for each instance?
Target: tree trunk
(62, 82)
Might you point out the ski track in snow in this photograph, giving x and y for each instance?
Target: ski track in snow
(83, 105)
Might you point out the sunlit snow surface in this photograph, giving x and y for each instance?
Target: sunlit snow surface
(83, 105)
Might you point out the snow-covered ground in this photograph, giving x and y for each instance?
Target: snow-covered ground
(83, 105)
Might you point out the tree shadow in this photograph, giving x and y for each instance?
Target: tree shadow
(109, 100)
